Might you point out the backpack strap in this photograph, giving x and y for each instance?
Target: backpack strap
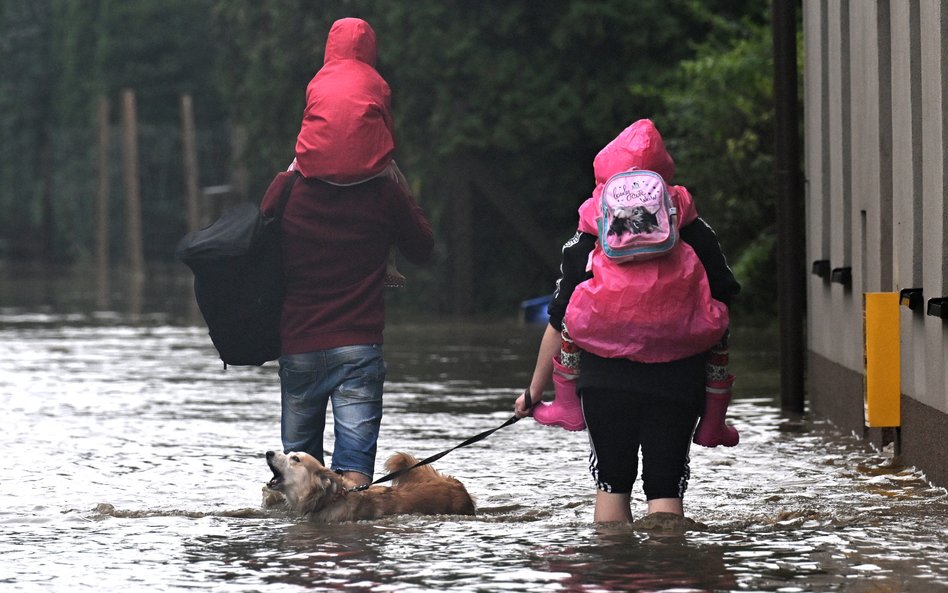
(285, 197)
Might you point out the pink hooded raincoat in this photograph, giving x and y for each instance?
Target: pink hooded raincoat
(347, 132)
(656, 310)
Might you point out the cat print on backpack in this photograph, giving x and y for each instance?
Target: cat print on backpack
(638, 220)
(635, 220)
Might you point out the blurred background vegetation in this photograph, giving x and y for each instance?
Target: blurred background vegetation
(503, 101)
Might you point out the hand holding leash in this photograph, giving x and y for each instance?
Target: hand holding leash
(524, 405)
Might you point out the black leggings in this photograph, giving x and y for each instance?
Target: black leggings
(620, 422)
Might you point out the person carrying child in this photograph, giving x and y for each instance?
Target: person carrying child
(632, 338)
(342, 217)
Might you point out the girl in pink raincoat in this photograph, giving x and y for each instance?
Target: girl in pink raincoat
(635, 340)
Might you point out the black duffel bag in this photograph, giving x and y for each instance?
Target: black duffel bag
(238, 278)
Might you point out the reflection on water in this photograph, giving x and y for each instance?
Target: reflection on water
(132, 461)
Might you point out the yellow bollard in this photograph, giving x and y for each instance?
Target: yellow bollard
(882, 357)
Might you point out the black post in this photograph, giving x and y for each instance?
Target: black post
(791, 276)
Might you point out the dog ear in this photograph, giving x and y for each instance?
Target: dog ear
(325, 481)
(322, 489)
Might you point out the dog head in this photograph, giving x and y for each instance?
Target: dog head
(306, 483)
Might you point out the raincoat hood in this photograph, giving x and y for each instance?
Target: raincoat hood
(639, 146)
(351, 39)
(347, 134)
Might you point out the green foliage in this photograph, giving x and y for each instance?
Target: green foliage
(719, 125)
(159, 49)
(58, 57)
(720, 119)
(25, 100)
(757, 302)
(267, 53)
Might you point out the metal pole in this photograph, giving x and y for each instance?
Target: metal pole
(791, 276)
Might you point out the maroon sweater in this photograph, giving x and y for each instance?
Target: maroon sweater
(335, 246)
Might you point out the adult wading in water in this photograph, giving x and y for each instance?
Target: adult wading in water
(342, 216)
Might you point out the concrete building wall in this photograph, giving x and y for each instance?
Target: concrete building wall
(875, 89)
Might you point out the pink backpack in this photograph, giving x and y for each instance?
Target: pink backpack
(638, 219)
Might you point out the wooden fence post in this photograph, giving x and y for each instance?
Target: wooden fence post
(190, 162)
(102, 206)
(133, 216)
(133, 204)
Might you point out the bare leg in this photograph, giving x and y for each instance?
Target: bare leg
(611, 507)
(666, 505)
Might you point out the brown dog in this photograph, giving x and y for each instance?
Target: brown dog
(312, 489)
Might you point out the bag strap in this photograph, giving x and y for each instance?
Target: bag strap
(285, 197)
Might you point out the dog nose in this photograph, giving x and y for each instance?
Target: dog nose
(270, 454)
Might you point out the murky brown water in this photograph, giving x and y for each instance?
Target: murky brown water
(132, 462)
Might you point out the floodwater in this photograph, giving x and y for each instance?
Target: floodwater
(133, 462)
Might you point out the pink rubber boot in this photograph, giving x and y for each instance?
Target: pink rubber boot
(565, 411)
(712, 431)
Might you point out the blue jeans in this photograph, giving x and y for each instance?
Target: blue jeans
(352, 378)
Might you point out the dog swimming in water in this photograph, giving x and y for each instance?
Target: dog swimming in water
(313, 490)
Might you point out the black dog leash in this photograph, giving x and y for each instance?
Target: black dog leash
(437, 456)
